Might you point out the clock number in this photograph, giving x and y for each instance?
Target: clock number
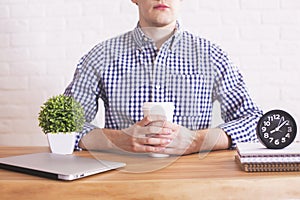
(288, 135)
(287, 123)
(263, 129)
(283, 140)
(266, 135)
(276, 142)
(267, 123)
(271, 139)
(290, 129)
(274, 117)
(277, 116)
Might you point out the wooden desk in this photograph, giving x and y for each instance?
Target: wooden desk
(215, 176)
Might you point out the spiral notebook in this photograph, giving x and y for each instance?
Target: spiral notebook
(254, 157)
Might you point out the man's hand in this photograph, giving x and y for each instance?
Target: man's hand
(154, 134)
(139, 138)
(185, 141)
(147, 135)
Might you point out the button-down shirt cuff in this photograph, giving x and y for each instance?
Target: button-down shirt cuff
(86, 129)
(241, 130)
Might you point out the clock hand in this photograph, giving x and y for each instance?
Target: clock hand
(281, 119)
(279, 123)
(279, 127)
(274, 130)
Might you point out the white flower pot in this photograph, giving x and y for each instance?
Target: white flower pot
(62, 143)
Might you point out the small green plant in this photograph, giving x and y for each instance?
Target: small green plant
(61, 114)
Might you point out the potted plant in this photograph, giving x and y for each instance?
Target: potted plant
(61, 117)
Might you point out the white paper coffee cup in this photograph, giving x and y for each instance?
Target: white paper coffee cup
(159, 108)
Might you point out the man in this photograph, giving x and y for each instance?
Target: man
(158, 61)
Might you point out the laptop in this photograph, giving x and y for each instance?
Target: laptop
(56, 166)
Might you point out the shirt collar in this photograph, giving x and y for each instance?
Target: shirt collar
(142, 40)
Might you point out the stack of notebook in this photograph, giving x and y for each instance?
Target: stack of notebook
(254, 157)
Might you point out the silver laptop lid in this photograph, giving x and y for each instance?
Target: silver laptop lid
(56, 166)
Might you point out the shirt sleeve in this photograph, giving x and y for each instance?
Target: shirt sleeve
(239, 112)
(85, 89)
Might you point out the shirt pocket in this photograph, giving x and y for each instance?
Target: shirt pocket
(190, 93)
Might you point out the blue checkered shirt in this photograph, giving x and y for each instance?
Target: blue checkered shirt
(190, 71)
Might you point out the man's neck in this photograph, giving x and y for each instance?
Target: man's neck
(159, 34)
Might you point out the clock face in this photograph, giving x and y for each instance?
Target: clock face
(276, 129)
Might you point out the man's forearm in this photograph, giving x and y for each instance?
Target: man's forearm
(108, 139)
(98, 139)
(212, 139)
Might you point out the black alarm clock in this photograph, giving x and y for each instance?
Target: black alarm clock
(276, 129)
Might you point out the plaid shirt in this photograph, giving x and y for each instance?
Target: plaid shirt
(190, 71)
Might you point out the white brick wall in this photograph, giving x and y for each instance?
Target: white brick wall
(42, 40)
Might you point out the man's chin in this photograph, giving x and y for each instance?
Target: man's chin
(164, 23)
